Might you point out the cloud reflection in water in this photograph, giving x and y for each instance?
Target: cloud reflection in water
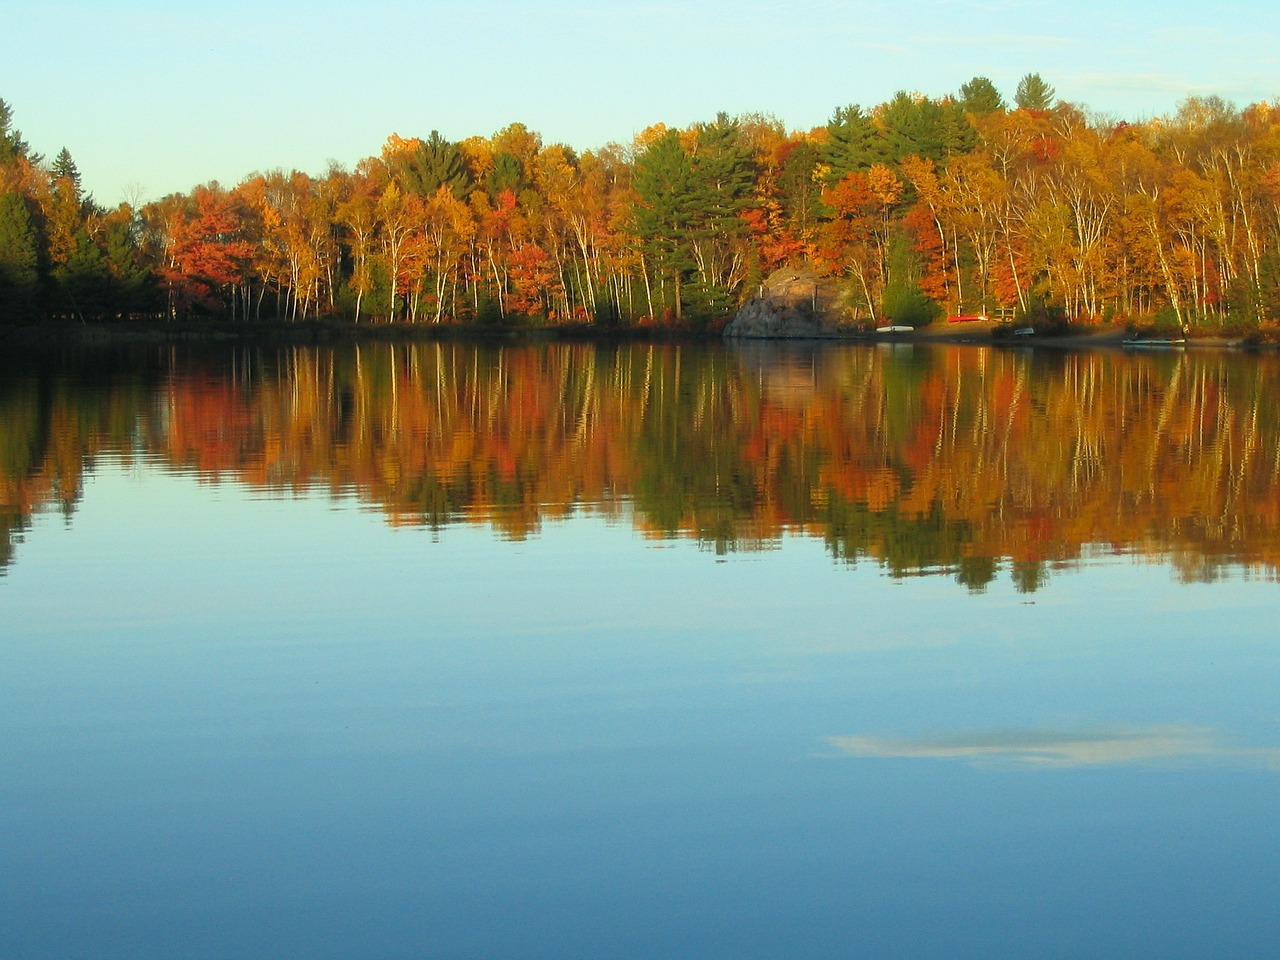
(1163, 745)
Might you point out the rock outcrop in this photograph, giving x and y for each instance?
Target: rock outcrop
(793, 303)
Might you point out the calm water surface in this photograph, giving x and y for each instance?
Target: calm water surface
(437, 651)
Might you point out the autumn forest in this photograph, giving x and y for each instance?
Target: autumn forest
(916, 207)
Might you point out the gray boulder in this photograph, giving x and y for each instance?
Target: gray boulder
(792, 304)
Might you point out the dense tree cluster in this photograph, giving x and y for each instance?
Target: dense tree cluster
(963, 203)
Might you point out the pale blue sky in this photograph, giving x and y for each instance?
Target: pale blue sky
(153, 97)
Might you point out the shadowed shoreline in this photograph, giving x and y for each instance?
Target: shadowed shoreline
(978, 333)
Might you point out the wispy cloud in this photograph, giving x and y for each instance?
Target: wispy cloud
(1169, 745)
(1002, 41)
(1141, 82)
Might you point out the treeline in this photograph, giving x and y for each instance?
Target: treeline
(918, 206)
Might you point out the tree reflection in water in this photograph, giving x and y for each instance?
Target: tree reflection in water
(963, 461)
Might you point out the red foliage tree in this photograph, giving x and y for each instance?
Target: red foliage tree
(207, 251)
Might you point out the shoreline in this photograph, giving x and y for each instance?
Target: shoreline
(1102, 337)
(311, 332)
(979, 333)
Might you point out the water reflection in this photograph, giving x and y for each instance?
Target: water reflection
(974, 463)
(1166, 745)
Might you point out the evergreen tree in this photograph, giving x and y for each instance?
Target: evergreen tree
(853, 143)
(922, 127)
(910, 127)
(19, 258)
(507, 174)
(958, 132)
(665, 211)
(724, 178)
(904, 302)
(917, 126)
(724, 173)
(64, 168)
(130, 280)
(980, 97)
(12, 146)
(83, 282)
(437, 163)
(66, 212)
(1033, 93)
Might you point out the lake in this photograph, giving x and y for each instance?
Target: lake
(560, 651)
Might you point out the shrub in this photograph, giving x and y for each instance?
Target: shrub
(1047, 318)
(906, 304)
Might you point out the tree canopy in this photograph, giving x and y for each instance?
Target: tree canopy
(915, 206)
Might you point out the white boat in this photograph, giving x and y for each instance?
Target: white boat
(1154, 342)
(1025, 332)
(896, 328)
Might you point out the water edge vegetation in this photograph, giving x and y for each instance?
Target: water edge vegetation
(1036, 211)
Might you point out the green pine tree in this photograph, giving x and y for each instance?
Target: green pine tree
(437, 163)
(923, 127)
(980, 97)
(64, 168)
(903, 301)
(722, 166)
(507, 174)
(854, 142)
(724, 178)
(12, 146)
(665, 211)
(83, 282)
(19, 260)
(67, 211)
(1033, 93)
(130, 280)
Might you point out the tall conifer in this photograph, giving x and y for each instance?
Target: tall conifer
(19, 258)
(854, 142)
(1033, 93)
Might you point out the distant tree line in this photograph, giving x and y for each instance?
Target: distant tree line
(917, 206)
